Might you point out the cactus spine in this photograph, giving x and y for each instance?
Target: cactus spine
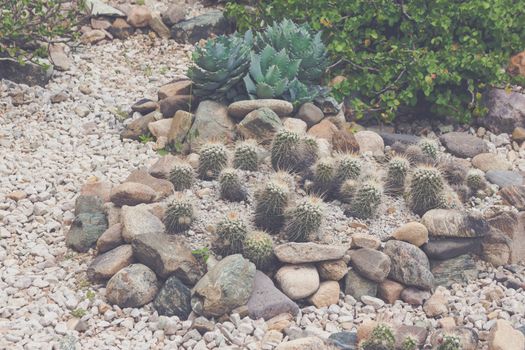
(426, 189)
(304, 220)
(270, 203)
(179, 216)
(366, 200)
(213, 158)
(258, 248)
(231, 232)
(182, 176)
(245, 156)
(231, 187)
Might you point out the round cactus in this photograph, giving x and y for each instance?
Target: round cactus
(231, 186)
(349, 166)
(308, 152)
(304, 220)
(213, 158)
(179, 216)
(182, 176)
(245, 156)
(396, 174)
(284, 151)
(450, 342)
(409, 343)
(323, 176)
(426, 189)
(476, 180)
(347, 190)
(270, 203)
(367, 199)
(429, 147)
(231, 232)
(382, 337)
(258, 248)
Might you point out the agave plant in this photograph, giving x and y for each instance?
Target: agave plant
(220, 65)
(298, 93)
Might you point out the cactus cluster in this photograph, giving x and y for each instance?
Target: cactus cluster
(324, 177)
(182, 176)
(409, 344)
(213, 158)
(426, 189)
(258, 248)
(382, 338)
(231, 232)
(304, 220)
(179, 216)
(475, 180)
(270, 203)
(293, 152)
(397, 171)
(245, 156)
(231, 187)
(366, 199)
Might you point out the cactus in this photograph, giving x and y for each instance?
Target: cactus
(231, 187)
(245, 156)
(349, 167)
(450, 342)
(179, 216)
(476, 180)
(293, 153)
(426, 189)
(454, 172)
(323, 177)
(181, 176)
(308, 153)
(213, 158)
(304, 220)
(347, 190)
(270, 203)
(231, 232)
(409, 344)
(258, 248)
(429, 147)
(366, 200)
(396, 174)
(382, 338)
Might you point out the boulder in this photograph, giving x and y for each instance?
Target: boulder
(436, 305)
(496, 248)
(505, 111)
(212, 122)
(139, 16)
(365, 240)
(414, 296)
(371, 264)
(89, 204)
(240, 109)
(158, 26)
(449, 248)
(504, 178)
(132, 193)
(310, 113)
(180, 126)
(160, 128)
(412, 232)
(144, 106)
(98, 188)
(171, 104)
(405, 139)
(162, 167)
(326, 295)
(503, 336)
(296, 253)
(370, 141)
(163, 188)
(104, 266)
(173, 299)
(463, 145)
(298, 281)
(332, 270)
(357, 286)
(390, 291)
(512, 225)
(176, 88)
(29, 73)
(461, 269)
(200, 27)
(111, 238)
(454, 223)
(295, 125)
(133, 286)
(490, 161)
(260, 124)
(85, 231)
(324, 130)
(344, 340)
(175, 13)
(139, 220)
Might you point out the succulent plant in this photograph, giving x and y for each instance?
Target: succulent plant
(308, 152)
(245, 156)
(476, 180)
(231, 232)
(347, 190)
(258, 248)
(366, 200)
(426, 189)
(348, 167)
(213, 158)
(220, 65)
(270, 203)
(323, 177)
(304, 219)
(429, 147)
(231, 187)
(409, 344)
(382, 338)
(454, 172)
(299, 93)
(285, 150)
(450, 342)
(179, 216)
(397, 171)
(182, 176)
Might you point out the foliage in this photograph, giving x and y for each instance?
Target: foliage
(78, 313)
(145, 138)
(433, 55)
(201, 253)
(409, 344)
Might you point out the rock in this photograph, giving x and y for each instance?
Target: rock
(111, 238)
(332, 270)
(98, 188)
(376, 303)
(59, 97)
(447, 322)
(365, 329)
(100, 23)
(162, 167)
(175, 13)
(120, 29)
(461, 269)
(173, 299)
(138, 220)
(176, 88)
(504, 178)
(202, 324)
(390, 291)
(365, 240)
(419, 334)
(179, 128)
(139, 126)
(436, 305)
(371, 264)
(453, 223)
(139, 16)
(505, 111)
(133, 286)
(18, 195)
(296, 253)
(357, 286)
(158, 26)
(370, 141)
(308, 343)
(344, 340)
(503, 336)
(240, 109)
(467, 336)
(260, 124)
(344, 140)
(226, 286)
(295, 125)
(168, 256)
(87, 204)
(490, 161)
(514, 195)
(170, 105)
(512, 225)
(266, 301)
(298, 281)
(324, 130)
(99, 8)
(326, 295)
(496, 248)
(104, 266)
(163, 188)
(212, 122)
(160, 127)
(518, 134)
(85, 231)
(310, 113)
(93, 36)
(414, 296)
(112, 213)
(412, 232)
(463, 145)
(29, 73)
(409, 265)
(200, 27)
(58, 57)
(132, 193)
(449, 248)
(405, 139)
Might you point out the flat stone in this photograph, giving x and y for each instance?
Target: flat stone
(298, 281)
(370, 141)
(85, 231)
(133, 286)
(514, 195)
(365, 240)
(504, 178)
(308, 343)
(212, 122)
(163, 188)
(449, 248)
(144, 106)
(409, 265)
(414, 296)
(461, 269)
(111, 238)
(296, 253)
(181, 87)
(104, 266)
(132, 193)
(371, 264)
(332, 270)
(490, 161)
(468, 337)
(260, 124)
(59, 57)
(92, 36)
(240, 109)
(179, 128)
(412, 232)
(463, 145)
(326, 295)
(162, 167)
(173, 299)
(390, 291)
(200, 27)
(357, 286)
(310, 113)
(453, 223)
(503, 336)
(266, 301)
(171, 104)
(139, 220)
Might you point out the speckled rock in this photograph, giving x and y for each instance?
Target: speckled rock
(133, 286)
(463, 145)
(296, 253)
(298, 281)
(409, 265)
(104, 266)
(173, 299)
(240, 109)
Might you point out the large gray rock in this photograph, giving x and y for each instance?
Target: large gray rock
(212, 122)
(133, 286)
(163, 166)
(139, 220)
(410, 265)
(30, 73)
(298, 281)
(454, 223)
(111, 238)
(173, 299)
(490, 161)
(267, 301)
(297, 253)
(504, 178)
(371, 264)
(358, 286)
(463, 145)
(104, 266)
(167, 255)
(405, 139)
(200, 27)
(449, 248)
(261, 125)
(240, 109)
(505, 111)
(225, 287)
(310, 113)
(88, 204)
(461, 269)
(85, 231)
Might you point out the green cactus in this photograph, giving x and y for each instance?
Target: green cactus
(308, 153)
(245, 156)
(323, 177)
(347, 190)
(284, 150)
(382, 338)
(270, 203)
(476, 180)
(396, 174)
(349, 167)
(213, 158)
(426, 189)
(304, 219)
(367, 199)
(179, 216)
(258, 248)
(409, 344)
(231, 187)
(231, 232)
(182, 176)
(450, 342)
(429, 147)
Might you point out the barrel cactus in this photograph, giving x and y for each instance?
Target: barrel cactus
(258, 248)
(231, 187)
(382, 338)
(397, 172)
(182, 176)
(245, 156)
(213, 158)
(476, 180)
(305, 219)
(347, 190)
(323, 177)
(270, 203)
(284, 150)
(429, 147)
(231, 232)
(367, 199)
(426, 189)
(179, 216)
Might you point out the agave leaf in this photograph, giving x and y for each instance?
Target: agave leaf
(267, 56)
(255, 68)
(264, 91)
(250, 85)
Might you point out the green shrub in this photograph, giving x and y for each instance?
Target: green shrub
(433, 55)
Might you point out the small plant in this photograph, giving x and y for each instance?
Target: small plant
(245, 156)
(213, 158)
(179, 216)
(347, 190)
(450, 342)
(201, 253)
(409, 344)
(382, 338)
(232, 233)
(429, 147)
(145, 138)
(396, 174)
(476, 180)
(304, 220)
(270, 203)
(367, 199)
(182, 176)
(231, 186)
(323, 177)
(78, 313)
(90, 295)
(426, 189)
(258, 248)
